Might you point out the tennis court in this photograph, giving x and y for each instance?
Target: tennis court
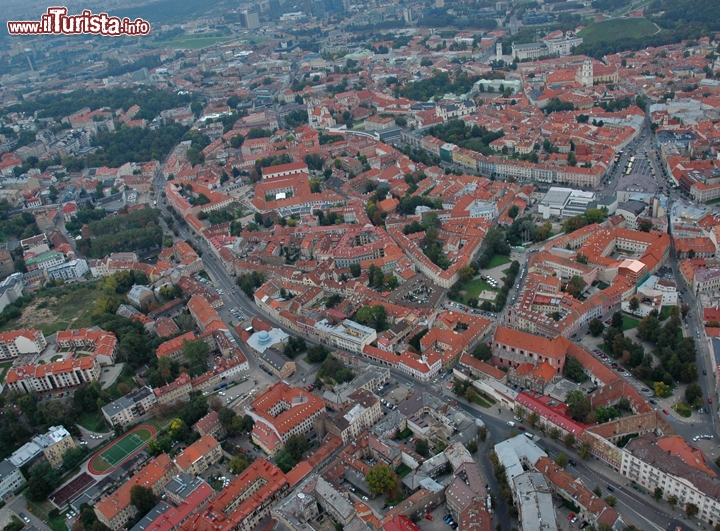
(117, 453)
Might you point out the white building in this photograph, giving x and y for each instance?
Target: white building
(10, 479)
(654, 462)
(564, 202)
(68, 271)
(666, 287)
(130, 407)
(349, 335)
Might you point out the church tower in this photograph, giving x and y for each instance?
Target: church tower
(584, 75)
(498, 51)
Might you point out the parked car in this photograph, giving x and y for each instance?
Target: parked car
(572, 462)
(666, 411)
(571, 516)
(429, 517)
(610, 488)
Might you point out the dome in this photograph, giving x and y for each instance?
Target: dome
(263, 337)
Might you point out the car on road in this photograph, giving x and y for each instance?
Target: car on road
(653, 402)
(709, 400)
(428, 516)
(511, 423)
(572, 462)
(704, 372)
(22, 515)
(521, 427)
(666, 411)
(610, 488)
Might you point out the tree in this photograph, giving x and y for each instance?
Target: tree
(317, 353)
(645, 225)
(296, 446)
(657, 494)
(466, 274)
(73, 457)
(482, 433)
(196, 351)
(381, 479)
(691, 509)
(597, 491)
(611, 501)
(596, 327)
(617, 320)
(43, 480)
(554, 433)
(513, 212)
(693, 395)
(482, 352)
(14, 525)
(472, 446)
(574, 370)
(584, 451)
(285, 461)
(238, 463)
(661, 389)
(578, 404)
(421, 447)
(562, 460)
(634, 304)
(569, 440)
(143, 499)
(355, 270)
(672, 500)
(581, 258)
(533, 419)
(576, 286)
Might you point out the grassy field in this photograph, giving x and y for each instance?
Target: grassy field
(122, 449)
(4, 369)
(616, 29)
(58, 309)
(683, 410)
(629, 323)
(93, 421)
(472, 289)
(498, 260)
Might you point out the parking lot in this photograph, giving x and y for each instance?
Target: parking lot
(417, 292)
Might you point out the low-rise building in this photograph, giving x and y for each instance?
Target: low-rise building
(677, 468)
(10, 479)
(53, 444)
(115, 510)
(199, 456)
(130, 407)
(23, 341)
(210, 425)
(277, 363)
(360, 414)
(280, 412)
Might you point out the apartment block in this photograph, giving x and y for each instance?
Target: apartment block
(199, 456)
(115, 510)
(10, 479)
(128, 408)
(52, 444)
(280, 412)
(23, 341)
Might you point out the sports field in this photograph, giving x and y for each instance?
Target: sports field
(122, 449)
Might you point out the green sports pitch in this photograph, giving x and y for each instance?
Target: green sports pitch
(122, 449)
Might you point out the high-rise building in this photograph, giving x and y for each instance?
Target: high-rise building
(275, 9)
(249, 20)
